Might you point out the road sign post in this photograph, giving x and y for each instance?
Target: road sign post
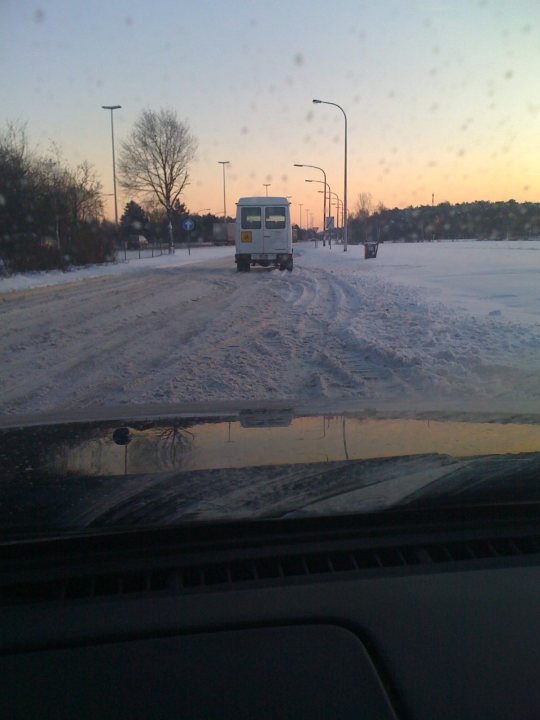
(188, 224)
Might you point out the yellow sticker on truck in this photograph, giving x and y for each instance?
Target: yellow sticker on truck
(245, 236)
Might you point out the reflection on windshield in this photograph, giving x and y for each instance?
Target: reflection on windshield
(108, 450)
(75, 478)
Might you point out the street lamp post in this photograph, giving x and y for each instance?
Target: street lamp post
(266, 185)
(223, 163)
(330, 193)
(301, 205)
(326, 188)
(345, 221)
(316, 167)
(112, 108)
(338, 204)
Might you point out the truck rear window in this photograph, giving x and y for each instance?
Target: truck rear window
(275, 218)
(251, 218)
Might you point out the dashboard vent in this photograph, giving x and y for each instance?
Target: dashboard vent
(267, 569)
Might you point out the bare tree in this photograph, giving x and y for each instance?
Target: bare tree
(364, 206)
(155, 159)
(86, 193)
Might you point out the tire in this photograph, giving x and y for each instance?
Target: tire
(289, 265)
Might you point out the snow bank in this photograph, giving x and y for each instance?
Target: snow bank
(29, 281)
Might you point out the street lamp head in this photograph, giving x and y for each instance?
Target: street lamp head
(111, 107)
(317, 101)
(308, 181)
(298, 165)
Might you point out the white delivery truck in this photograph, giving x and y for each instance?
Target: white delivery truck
(263, 233)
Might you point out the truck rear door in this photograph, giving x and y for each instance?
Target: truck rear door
(251, 230)
(275, 230)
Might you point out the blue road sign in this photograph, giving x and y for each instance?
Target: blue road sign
(188, 225)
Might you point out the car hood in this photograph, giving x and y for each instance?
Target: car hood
(155, 467)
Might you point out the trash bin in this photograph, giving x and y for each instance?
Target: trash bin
(370, 250)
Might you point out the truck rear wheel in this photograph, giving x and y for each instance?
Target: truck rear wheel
(289, 265)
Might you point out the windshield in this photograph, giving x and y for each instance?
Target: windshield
(249, 236)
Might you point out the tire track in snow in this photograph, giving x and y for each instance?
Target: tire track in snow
(341, 361)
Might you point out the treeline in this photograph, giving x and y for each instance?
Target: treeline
(51, 215)
(479, 220)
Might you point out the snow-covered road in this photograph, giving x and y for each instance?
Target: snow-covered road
(421, 321)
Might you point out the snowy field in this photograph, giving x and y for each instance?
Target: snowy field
(426, 323)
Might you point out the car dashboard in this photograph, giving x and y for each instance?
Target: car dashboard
(400, 615)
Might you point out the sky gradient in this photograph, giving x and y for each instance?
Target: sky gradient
(441, 97)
